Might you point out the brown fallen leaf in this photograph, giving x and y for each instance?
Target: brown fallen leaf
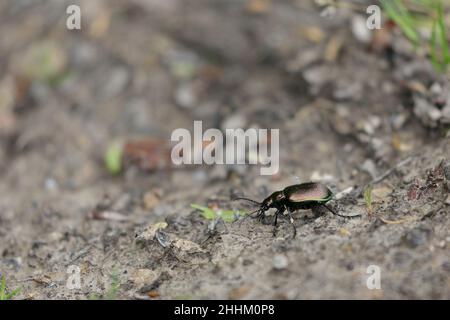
(187, 246)
(152, 198)
(313, 34)
(380, 194)
(153, 294)
(239, 292)
(381, 39)
(148, 154)
(400, 145)
(101, 24)
(150, 233)
(333, 48)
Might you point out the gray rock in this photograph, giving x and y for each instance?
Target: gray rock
(280, 262)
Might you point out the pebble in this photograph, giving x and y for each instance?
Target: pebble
(317, 176)
(360, 30)
(417, 237)
(151, 199)
(447, 171)
(142, 277)
(51, 184)
(117, 81)
(234, 121)
(370, 167)
(426, 112)
(447, 201)
(185, 97)
(280, 262)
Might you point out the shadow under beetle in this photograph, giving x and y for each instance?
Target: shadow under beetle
(309, 195)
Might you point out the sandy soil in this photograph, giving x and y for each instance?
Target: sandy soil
(347, 113)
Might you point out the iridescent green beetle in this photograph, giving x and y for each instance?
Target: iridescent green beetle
(309, 195)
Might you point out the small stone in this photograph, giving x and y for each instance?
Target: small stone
(370, 167)
(380, 194)
(234, 121)
(151, 199)
(344, 232)
(317, 176)
(370, 125)
(314, 34)
(15, 262)
(185, 97)
(426, 112)
(108, 215)
(258, 6)
(304, 58)
(280, 262)
(417, 237)
(360, 30)
(51, 184)
(447, 171)
(122, 203)
(200, 175)
(447, 201)
(317, 75)
(55, 236)
(116, 82)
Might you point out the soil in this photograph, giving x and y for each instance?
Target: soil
(137, 70)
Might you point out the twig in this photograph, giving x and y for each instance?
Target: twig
(397, 221)
(391, 170)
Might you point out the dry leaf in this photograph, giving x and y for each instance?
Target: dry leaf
(314, 34)
(150, 233)
(333, 49)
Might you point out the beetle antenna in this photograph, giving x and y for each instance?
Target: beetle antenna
(249, 215)
(339, 215)
(247, 199)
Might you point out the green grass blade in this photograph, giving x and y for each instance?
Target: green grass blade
(368, 197)
(433, 48)
(400, 15)
(207, 213)
(443, 35)
(13, 293)
(3, 288)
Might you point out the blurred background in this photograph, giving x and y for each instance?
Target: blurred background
(86, 177)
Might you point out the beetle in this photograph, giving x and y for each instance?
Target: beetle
(309, 195)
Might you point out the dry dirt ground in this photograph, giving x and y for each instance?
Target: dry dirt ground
(349, 113)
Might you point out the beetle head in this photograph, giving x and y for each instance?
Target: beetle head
(273, 200)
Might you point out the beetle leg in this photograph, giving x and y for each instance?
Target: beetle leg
(260, 216)
(274, 231)
(339, 215)
(276, 218)
(291, 220)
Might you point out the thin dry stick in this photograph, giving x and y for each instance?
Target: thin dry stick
(397, 221)
(391, 170)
